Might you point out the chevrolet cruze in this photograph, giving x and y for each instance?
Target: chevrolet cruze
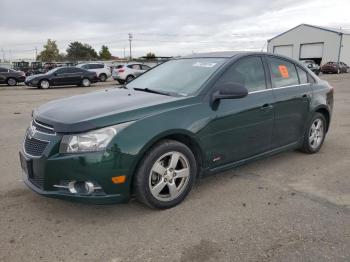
(180, 121)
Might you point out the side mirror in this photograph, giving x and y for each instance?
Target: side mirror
(229, 90)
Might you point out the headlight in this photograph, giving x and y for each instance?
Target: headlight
(96, 140)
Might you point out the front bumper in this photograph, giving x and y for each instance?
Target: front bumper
(52, 169)
(98, 200)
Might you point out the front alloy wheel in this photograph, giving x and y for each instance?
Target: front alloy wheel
(44, 84)
(11, 82)
(169, 176)
(166, 175)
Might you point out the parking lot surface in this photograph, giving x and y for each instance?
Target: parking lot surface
(289, 207)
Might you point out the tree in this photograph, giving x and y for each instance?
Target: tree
(150, 55)
(78, 51)
(61, 57)
(104, 53)
(50, 52)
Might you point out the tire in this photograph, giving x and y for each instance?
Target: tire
(11, 81)
(166, 187)
(85, 82)
(129, 78)
(44, 84)
(313, 140)
(103, 77)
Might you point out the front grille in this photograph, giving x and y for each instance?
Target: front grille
(37, 181)
(34, 147)
(43, 128)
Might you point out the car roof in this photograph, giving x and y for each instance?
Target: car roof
(222, 54)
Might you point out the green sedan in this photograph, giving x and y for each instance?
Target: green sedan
(182, 120)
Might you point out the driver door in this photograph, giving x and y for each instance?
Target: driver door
(242, 127)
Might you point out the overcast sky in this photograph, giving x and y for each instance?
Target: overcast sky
(159, 26)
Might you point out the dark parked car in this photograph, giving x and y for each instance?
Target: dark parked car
(334, 68)
(157, 136)
(62, 76)
(312, 66)
(11, 77)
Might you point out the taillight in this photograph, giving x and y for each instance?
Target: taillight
(121, 70)
(22, 73)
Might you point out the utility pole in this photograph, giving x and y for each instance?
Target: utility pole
(124, 52)
(36, 53)
(3, 55)
(130, 39)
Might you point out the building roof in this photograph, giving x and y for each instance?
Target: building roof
(329, 29)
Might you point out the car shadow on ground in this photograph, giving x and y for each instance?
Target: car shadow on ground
(22, 197)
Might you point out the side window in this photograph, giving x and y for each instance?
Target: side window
(144, 67)
(302, 76)
(61, 71)
(283, 73)
(248, 72)
(85, 67)
(136, 67)
(74, 70)
(100, 66)
(3, 70)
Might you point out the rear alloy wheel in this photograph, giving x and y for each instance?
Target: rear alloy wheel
(315, 134)
(11, 82)
(166, 175)
(85, 82)
(103, 77)
(44, 84)
(130, 78)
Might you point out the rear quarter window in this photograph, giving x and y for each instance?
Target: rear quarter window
(283, 73)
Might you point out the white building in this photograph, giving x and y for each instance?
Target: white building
(308, 42)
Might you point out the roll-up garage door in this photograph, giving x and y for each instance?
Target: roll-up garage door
(286, 50)
(308, 51)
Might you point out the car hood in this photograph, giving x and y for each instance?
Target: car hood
(102, 108)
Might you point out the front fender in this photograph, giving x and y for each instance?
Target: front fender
(135, 140)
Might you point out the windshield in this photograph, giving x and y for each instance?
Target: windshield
(180, 76)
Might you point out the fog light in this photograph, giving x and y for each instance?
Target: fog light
(81, 187)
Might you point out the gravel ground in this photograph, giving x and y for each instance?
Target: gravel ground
(290, 207)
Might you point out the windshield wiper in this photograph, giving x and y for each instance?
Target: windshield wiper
(154, 91)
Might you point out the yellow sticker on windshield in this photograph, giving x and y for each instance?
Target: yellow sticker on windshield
(284, 71)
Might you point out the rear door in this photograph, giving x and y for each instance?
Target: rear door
(73, 75)
(292, 100)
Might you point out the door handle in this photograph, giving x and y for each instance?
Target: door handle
(305, 97)
(266, 107)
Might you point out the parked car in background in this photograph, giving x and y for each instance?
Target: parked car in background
(128, 72)
(312, 66)
(102, 70)
(11, 77)
(62, 76)
(334, 68)
(184, 119)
